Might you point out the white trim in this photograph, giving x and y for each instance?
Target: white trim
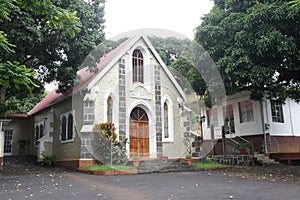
(111, 93)
(124, 51)
(112, 63)
(12, 139)
(168, 101)
(152, 132)
(147, 68)
(44, 132)
(165, 68)
(66, 114)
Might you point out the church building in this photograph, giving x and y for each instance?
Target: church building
(133, 89)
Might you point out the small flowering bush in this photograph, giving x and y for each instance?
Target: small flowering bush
(107, 149)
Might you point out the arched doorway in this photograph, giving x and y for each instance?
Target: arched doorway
(139, 133)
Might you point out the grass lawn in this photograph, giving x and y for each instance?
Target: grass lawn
(207, 164)
(109, 167)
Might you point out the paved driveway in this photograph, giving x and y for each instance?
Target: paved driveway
(33, 182)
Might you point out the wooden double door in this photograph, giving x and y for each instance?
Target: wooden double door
(139, 133)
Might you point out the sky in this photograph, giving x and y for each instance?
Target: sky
(175, 15)
(178, 16)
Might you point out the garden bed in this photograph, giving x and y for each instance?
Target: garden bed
(210, 165)
(108, 170)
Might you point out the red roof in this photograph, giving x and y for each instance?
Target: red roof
(15, 115)
(85, 78)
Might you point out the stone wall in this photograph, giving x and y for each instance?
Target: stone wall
(158, 111)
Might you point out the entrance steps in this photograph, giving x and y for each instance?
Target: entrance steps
(233, 159)
(263, 159)
(159, 166)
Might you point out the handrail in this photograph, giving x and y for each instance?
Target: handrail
(230, 132)
(244, 139)
(232, 140)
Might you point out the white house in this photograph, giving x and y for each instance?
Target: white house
(269, 126)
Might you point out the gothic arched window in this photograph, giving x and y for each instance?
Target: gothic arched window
(138, 66)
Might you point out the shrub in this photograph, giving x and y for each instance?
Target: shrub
(107, 149)
(48, 160)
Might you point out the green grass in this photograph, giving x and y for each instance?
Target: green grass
(109, 167)
(207, 164)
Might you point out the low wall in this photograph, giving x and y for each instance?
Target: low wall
(73, 164)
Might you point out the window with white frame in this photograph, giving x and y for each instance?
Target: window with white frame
(229, 125)
(138, 66)
(167, 121)
(39, 131)
(67, 127)
(246, 111)
(88, 112)
(212, 117)
(277, 112)
(109, 109)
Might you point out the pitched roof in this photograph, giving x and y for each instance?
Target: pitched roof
(88, 78)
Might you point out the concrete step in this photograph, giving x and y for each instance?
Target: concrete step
(158, 166)
(264, 159)
(196, 154)
(233, 159)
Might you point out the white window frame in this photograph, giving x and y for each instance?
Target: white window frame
(88, 118)
(12, 140)
(44, 131)
(279, 114)
(169, 103)
(66, 114)
(147, 69)
(240, 112)
(211, 120)
(115, 116)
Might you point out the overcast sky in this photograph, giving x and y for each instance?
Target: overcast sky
(175, 15)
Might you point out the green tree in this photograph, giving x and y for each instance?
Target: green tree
(50, 38)
(295, 4)
(255, 45)
(169, 48)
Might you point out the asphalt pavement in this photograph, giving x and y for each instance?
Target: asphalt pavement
(34, 182)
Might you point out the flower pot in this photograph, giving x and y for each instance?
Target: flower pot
(189, 162)
(243, 151)
(136, 163)
(164, 158)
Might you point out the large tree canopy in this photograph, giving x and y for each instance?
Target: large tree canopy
(255, 45)
(50, 38)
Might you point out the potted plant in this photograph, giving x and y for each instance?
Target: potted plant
(136, 161)
(164, 158)
(243, 148)
(189, 159)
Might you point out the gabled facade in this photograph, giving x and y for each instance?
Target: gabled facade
(133, 89)
(270, 127)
